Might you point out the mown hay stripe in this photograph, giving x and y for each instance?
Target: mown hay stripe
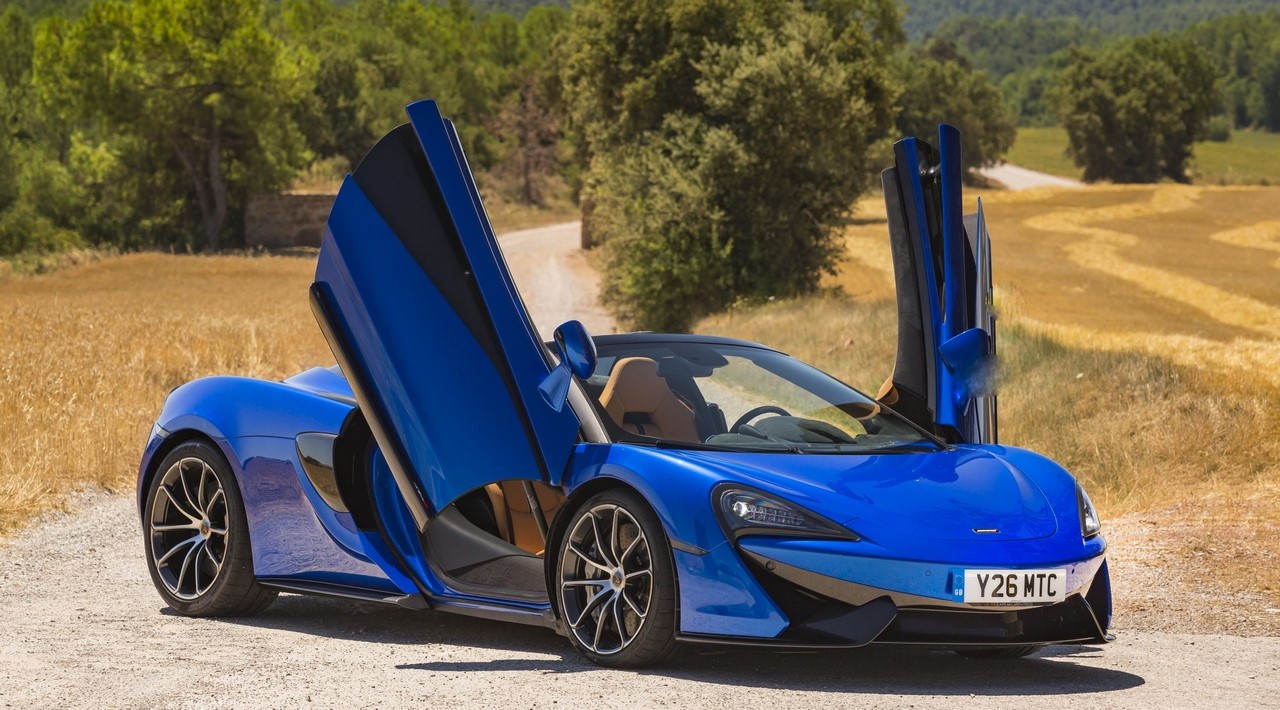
(1101, 252)
(1263, 235)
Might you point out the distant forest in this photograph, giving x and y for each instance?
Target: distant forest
(1113, 17)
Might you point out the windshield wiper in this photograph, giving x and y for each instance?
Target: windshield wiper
(763, 447)
(906, 447)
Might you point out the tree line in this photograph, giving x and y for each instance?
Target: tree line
(1112, 17)
(715, 146)
(149, 123)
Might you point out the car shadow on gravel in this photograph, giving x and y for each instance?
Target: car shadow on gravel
(873, 670)
(1052, 671)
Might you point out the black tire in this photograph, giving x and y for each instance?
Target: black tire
(195, 480)
(1001, 652)
(612, 617)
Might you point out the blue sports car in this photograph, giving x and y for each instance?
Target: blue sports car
(636, 492)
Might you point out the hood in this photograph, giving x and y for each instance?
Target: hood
(944, 495)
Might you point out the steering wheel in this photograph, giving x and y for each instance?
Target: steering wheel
(764, 409)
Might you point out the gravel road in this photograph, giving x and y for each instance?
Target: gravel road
(1017, 178)
(80, 625)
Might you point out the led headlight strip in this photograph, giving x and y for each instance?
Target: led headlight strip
(748, 511)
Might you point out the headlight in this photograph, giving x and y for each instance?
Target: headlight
(745, 511)
(1090, 523)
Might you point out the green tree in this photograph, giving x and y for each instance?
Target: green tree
(725, 142)
(1243, 48)
(529, 115)
(199, 85)
(941, 87)
(1133, 110)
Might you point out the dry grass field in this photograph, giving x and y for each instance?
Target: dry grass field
(89, 353)
(1140, 347)
(1249, 158)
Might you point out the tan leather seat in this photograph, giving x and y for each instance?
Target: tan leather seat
(641, 402)
(514, 516)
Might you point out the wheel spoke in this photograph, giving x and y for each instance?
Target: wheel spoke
(186, 564)
(585, 583)
(600, 546)
(169, 494)
(634, 608)
(204, 476)
(171, 528)
(617, 621)
(217, 565)
(590, 606)
(631, 548)
(614, 541)
(600, 622)
(195, 568)
(213, 499)
(637, 573)
(573, 547)
(191, 540)
(186, 488)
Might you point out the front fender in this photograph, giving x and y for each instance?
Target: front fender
(717, 594)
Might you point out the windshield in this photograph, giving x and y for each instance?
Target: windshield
(736, 397)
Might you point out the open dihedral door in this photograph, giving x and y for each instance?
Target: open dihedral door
(414, 296)
(942, 378)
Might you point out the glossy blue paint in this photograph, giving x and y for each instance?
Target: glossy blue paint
(955, 284)
(217, 407)
(220, 408)
(719, 597)
(290, 539)
(323, 381)
(432, 375)
(916, 512)
(555, 429)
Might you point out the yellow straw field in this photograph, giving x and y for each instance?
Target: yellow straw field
(89, 353)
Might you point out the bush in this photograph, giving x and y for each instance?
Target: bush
(1133, 110)
(725, 144)
(1218, 129)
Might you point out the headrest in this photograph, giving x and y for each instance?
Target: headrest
(634, 386)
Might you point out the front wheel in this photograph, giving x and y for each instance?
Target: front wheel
(197, 540)
(615, 582)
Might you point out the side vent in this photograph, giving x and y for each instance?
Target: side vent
(315, 450)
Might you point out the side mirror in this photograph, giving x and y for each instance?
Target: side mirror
(577, 353)
(576, 348)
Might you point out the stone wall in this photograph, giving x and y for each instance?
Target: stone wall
(286, 220)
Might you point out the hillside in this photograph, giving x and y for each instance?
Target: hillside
(1110, 16)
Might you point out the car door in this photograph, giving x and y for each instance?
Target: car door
(943, 372)
(415, 299)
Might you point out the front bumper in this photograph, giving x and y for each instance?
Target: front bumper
(832, 598)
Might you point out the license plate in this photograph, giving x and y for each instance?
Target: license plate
(999, 586)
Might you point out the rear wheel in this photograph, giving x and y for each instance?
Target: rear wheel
(615, 582)
(197, 540)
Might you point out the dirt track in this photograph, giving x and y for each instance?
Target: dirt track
(80, 625)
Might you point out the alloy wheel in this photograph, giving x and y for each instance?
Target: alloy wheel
(188, 528)
(606, 579)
